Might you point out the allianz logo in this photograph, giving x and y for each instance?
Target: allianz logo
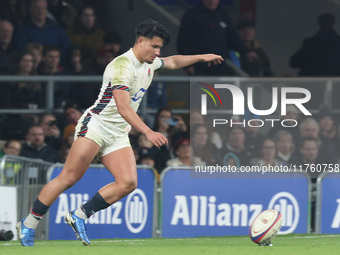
(134, 211)
(336, 218)
(207, 211)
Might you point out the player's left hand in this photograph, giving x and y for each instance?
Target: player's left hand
(212, 59)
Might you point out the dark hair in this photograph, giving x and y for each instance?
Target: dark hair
(326, 20)
(150, 28)
(78, 28)
(112, 37)
(49, 48)
(195, 127)
(72, 104)
(18, 57)
(307, 139)
(156, 123)
(8, 142)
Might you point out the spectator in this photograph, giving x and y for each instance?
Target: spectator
(40, 29)
(102, 59)
(84, 93)
(326, 119)
(11, 169)
(144, 143)
(51, 66)
(285, 146)
(74, 65)
(160, 156)
(254, 138)
(291, 118)
(66, 146)
(171, 126)
(16, 126)
(208, 29)
(308, 155)
(328, 133)
(267, 155)
(62, 12)
(6, 32)
(72, 113)
(11, 147)
(13, 10)
(113, 41)
(49, 124)
(133, 136)
(197, 118)
(27, 95)
(157, 98)
(35, 146)
(202, 147)
(231, 159)
(236, 144)
(86, 34)
(181, 129)
(257, 67)
(157, 95)
(310, 128)
(184, 157)
(319, 55)
(165, 123)
(147, 160)
(36, 51)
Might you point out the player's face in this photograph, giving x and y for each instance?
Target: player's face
(151, 48)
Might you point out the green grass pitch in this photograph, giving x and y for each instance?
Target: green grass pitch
(235, 245)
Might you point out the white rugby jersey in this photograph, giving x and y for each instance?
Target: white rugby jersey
(129, 74)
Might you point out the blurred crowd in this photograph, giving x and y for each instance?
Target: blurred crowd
(194, 142)
(55, 37)
(52, 37)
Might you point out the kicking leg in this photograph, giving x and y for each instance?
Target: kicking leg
(122, 165)
(80, 157)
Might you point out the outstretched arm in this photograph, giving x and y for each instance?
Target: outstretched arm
(180, 61)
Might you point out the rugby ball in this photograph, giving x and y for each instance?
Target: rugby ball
(265, 226)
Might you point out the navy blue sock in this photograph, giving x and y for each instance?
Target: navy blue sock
(95, 204)
(39, 209)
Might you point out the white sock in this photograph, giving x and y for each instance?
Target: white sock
(31, 222)
(79, 213)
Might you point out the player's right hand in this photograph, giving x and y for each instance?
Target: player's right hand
(156, 138)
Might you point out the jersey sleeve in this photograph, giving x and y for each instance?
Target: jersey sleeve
(121, 74)
(158, 63)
